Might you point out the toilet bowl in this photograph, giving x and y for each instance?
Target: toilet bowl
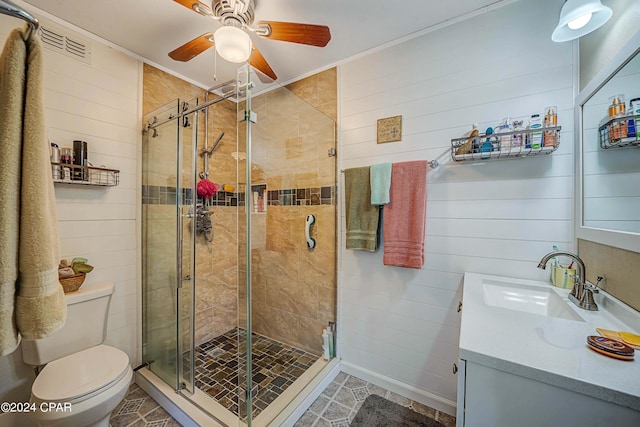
(81, 389)
(83, 380)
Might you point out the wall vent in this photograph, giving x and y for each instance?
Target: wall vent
(61, 40)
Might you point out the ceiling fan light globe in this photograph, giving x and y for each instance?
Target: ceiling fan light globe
(232, 44)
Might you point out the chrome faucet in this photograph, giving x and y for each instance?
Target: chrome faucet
(582, 292)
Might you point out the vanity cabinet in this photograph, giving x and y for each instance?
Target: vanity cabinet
(492, 397)
(523, 366)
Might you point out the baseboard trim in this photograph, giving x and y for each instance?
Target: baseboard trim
(410, 392)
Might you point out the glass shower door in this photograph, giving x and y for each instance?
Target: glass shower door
(168, 244)
(289, 292)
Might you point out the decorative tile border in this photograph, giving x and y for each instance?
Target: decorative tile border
(158, 195)
(302, 196)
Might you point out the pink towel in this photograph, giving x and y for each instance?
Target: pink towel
(405, 216)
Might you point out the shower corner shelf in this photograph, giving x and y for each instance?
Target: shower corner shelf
(94, 176)
(614, 133)
(468, 149)
(259, 198)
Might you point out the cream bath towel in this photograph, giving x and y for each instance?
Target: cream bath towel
(32, 302)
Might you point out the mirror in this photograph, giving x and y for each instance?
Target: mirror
(608, 117)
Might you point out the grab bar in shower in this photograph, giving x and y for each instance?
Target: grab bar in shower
(311, 242)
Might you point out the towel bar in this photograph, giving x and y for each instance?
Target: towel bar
(8, 8)
(433, 163)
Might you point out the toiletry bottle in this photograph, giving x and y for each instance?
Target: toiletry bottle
(535, 137)
(550, 120)
(475, 141)
(260, 203)
(80, 159)
(631, 124)
(618, 128)
(56, 170)
(633, 112)
(487, 144)
(325, 345)
(332, 339)
(635, 106)
(517, 139)
(255, 201)
(504, 141)
(66, 156)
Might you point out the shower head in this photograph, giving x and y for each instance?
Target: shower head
(215, 144)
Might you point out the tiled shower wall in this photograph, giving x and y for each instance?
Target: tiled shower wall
(216, 263)
(294, 288)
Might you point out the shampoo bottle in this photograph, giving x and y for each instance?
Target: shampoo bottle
(535, 137)
(325, 345)
(504, 141)
(631, 123)
(517, 140)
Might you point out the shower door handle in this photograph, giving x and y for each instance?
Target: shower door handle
(311, 242)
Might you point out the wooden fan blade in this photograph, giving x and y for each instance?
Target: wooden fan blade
(314, 35)
(200, 8)
(191, 49)
(257, 61)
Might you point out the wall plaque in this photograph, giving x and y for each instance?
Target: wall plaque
(390, 129)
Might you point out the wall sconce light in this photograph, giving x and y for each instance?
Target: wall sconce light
(580, 17)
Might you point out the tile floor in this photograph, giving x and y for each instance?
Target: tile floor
(341, 400)
(220, 369)
(335, 407)
(138, 409)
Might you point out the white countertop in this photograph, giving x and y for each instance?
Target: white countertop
(547, 349)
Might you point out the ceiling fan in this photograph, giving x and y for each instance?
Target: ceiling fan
(232, 41)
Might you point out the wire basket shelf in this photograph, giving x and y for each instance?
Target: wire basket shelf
(620, 132)
(506, 145)
(63, 173)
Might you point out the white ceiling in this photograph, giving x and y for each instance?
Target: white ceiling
(152, 28)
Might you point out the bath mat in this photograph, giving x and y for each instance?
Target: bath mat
(377, 411)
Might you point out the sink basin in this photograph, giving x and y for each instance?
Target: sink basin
(529, 299)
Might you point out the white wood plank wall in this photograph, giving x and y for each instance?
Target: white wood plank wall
(97, 103)
(497, 217)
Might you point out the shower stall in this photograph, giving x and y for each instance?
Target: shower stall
(235, 298)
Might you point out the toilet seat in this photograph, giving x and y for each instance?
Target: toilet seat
(81, 375)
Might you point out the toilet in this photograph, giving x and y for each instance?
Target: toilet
(83, 380)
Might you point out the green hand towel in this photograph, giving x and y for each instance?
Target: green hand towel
(362, 216)
(380, 183)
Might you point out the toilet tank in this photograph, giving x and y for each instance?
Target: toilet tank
(86, 326)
